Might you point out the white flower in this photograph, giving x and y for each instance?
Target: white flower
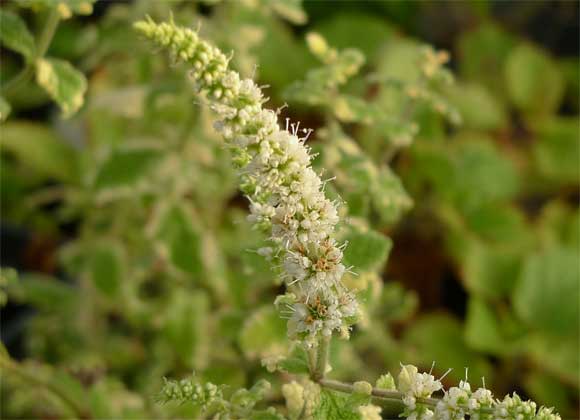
(286, 195)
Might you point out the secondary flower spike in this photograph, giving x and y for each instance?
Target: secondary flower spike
(286, 195)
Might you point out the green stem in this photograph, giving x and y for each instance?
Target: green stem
(385, 394)
(27, 377)
(321, 358)
(42, 46)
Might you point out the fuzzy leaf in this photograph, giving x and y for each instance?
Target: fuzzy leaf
(336, 406)
(65, 84)
(366, 250)
(15, 35)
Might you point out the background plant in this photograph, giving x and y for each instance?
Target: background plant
(153, 221)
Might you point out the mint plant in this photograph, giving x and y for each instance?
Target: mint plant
(287, 201)
(135, 259)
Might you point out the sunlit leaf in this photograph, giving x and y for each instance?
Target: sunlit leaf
(65, 84)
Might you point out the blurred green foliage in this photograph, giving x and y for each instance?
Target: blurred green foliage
(476, 180)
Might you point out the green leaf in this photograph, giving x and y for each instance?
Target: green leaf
(478, 108)
(39, 148)
(482, 53)
(488, 271)
(501, 224)
(440, 338)
(482, 328)
(4, 109)
(181, 241)
(106, 268)
(65, 84)
(290, 10)
(389, 197)
(263, 334)
(356, 30)
(546, 296)
(559, 224)
(338, 406)
(15, 35)
(534, 82)
(64, 7)
(186, 326)
(366, 250)
(43, 292)
(482, 173)
(550, 391)
(126, 167)
(557, 355)
(296, 362)
(556, 151)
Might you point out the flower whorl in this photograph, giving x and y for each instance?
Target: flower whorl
(286, 194)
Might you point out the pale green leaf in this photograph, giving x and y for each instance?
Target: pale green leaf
(65, 84)
(15, 35)
(41, 149)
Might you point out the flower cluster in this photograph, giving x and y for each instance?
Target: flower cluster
(415, 385)
(189, 390)
(459, 402)
(286, 195)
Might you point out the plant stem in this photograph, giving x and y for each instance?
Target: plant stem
(384, 394)
(16, 370)
(321, 358)
(42, 46)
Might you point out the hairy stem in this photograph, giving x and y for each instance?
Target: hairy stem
(321, 358)
(384, 394)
